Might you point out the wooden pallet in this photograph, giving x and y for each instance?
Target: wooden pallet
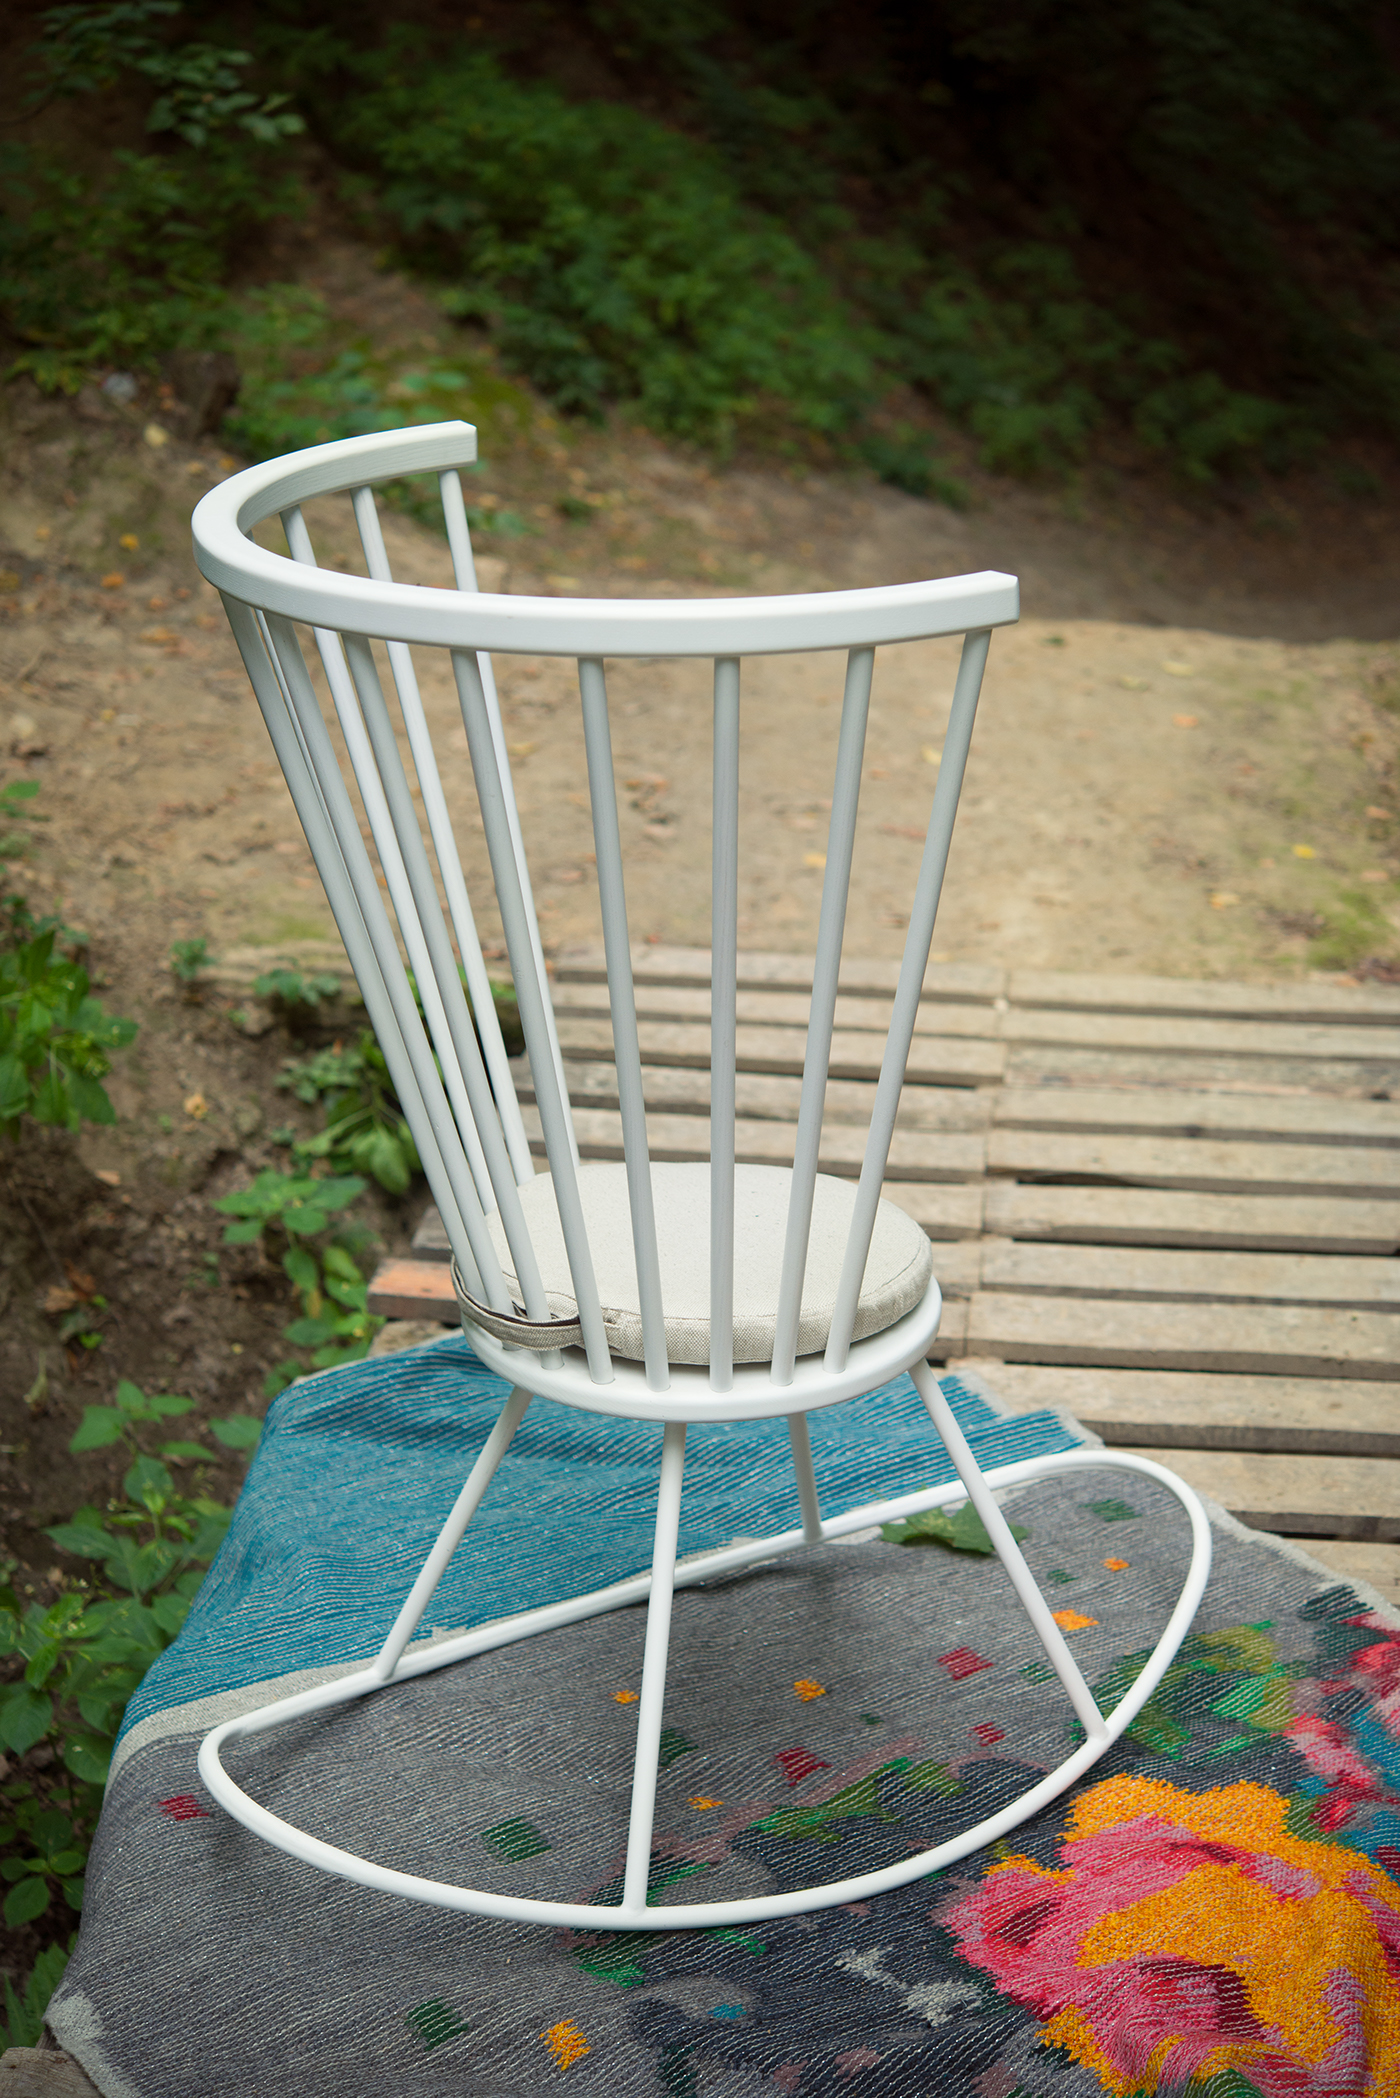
(1172, 1207)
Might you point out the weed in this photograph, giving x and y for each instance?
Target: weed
(364, 1132)
(1354, 927)
(336, 1322)
(295, 993)
(190, 960)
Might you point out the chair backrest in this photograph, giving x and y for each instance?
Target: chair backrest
(453, 1078)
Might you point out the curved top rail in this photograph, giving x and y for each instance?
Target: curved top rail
(238, 566)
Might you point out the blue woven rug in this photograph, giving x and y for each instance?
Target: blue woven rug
(1211, 1911)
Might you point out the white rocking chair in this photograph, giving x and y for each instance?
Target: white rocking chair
(675, 1293)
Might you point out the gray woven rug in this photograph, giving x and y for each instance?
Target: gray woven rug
(1211, 1910)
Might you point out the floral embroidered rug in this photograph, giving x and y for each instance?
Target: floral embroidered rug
(1214, 1910)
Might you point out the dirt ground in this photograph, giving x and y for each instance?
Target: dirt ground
(1186, 763)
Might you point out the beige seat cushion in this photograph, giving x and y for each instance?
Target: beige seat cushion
(897, 1271)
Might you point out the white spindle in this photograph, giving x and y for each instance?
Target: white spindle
(724, 971)
(826, 972)
(623, 1005)
(918, 940)
(552, 1099)
(493, 1047)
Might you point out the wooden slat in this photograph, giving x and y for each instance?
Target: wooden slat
(1039, 1063)
(1164, 1409)
(1172, 1275)
(1283, 1339)
(859, 974)
(413, 1289)
(779, 1008)
(933, 1061)
(1150, 1217)
(1192, 1036)
(1378, 1565)
(1307, 1002)
(913, 1154)
(768, 1096)
(1348, 1497)
(1202, 1164)
(1167, 1112)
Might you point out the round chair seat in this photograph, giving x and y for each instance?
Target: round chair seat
(897, 1271)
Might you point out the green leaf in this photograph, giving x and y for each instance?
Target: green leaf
(149, 1483)
(73, 1892)
(26, 1901)
(242, 1234)
(25, 1717)
(14, 1087)
(382, 1155)
(101, 1426)
(51, 1106)
(239, 1432)
(963, 1532)
(170, 1612)
(167, 1405)
(89, 1758)
(301, 1267)
(185, 1452)
(85, 1540)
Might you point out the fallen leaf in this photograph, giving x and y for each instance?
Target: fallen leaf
(903, 830)
(521, 750)
(1379, 815)
(43, 531)
(108, 1176)
(1133, 684)
(1222, 899)
(1304, 852)
(57, 1298)
(157, 633)
(814, 859)
(1375, 874)
(931, 756)
(128, 542)
(114, 581)
(196, 1106)
(562, 582)
(157, 604)
(155, 437)
(1178, 669)
(1266, 863)
(1185, 721)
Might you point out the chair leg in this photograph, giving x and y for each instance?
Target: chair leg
(451, 1533)
(1009, 1552)
(807, 1499)
(663, 1575)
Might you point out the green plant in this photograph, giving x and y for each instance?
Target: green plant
(297, 994)
(56, 1040)
(24, 2015)
(15, 797)
(190, 960)
(1355, 927)
(364, 1131)
(83, 1654)
(336, 1322)
(131, 1410)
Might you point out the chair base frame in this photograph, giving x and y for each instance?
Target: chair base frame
(397, 1663)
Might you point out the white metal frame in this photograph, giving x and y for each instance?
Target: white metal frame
(454, 1083)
